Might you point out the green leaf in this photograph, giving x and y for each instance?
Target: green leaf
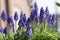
(42, 27)
(1, 36)
(10, 35)
(58, 4)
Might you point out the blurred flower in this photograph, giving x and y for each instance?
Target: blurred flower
(5, 30)
(28, 31)
(24, 19)
(42, 14)
(47, 12)
(53, 21)
(35, 5)
(34, 12)
(21, 23)
(9, 19)
(32, 16)
(1, 29)
(3, 16)
(49, 19)
(35, 9)
(16, 16)
(28, 22)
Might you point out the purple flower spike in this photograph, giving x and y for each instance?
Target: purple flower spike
(35, 9)
(28, 31)
(47, 12)
(21, 23)
(3, 16)
(35, 5)
(53, 21)
(16, 16)
(49, 19)
(34, 12)
(32, 15)
(42, 14)
(24, 19)
(10, 20)
(28, 22)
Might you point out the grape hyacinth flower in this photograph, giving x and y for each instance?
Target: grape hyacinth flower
(32, 15)
(12, 26)
(22, 21)
(21, 25)
(49, 19)
(46, 16)
(47, 12)
(5, 30)
(53, 21)
(28, 22)
(35, 9)
(34, 12)
(16, 16)
(28, 31)
(3, 15)
(42, 15)
(10, 22)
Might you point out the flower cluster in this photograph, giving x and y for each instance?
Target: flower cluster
(22, 21)
(33, 17)
(44, 14)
